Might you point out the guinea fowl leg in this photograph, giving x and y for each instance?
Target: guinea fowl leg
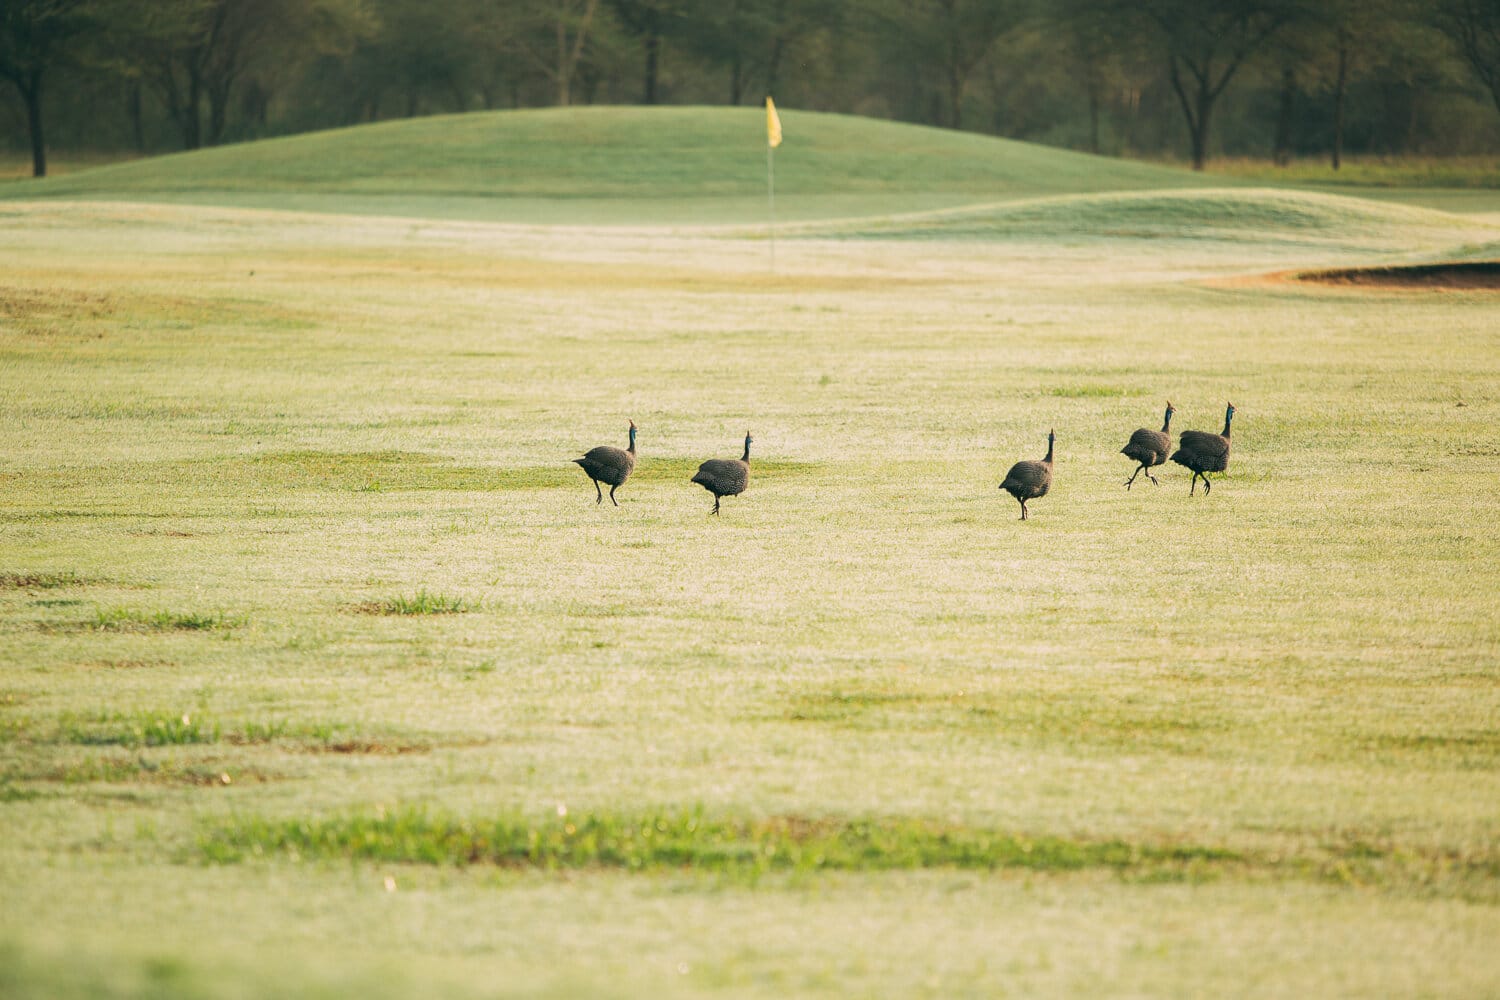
(1207, 485)
(1138, 470)
(1023, 510)
(612, 497)
(598, 491)
(1151, 477)
(1192, 490)
(716, 506)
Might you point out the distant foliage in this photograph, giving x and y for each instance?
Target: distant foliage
(1293, 77)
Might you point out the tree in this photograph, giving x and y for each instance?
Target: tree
(1474, 26)
(552, 36)
(650, 21)
(1206, 42)
(946, 40)
(197, 52)
(419, 57)
(35, 37)
(1093, 38)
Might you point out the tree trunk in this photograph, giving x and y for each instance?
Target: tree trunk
(1196, 109)
(137, 116)
(955, 86)
(1281, 152)
(564, 71)
(32, 92)
(1340, 86)
(192, 123)
(653, 58)
(1094, 86)
(218, 114)
(773, 64)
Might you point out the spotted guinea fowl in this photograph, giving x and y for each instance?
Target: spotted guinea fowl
(608, 464)
(725, 477)
(1204, 452)
(1029, 480)
(1149, 448)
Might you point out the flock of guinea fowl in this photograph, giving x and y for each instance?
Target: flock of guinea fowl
(1200, 451)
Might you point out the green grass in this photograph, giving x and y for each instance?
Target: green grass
(226, 428)
(135, 620)
(621, 164)
(420, 603)
(685, 840)
(41, 581)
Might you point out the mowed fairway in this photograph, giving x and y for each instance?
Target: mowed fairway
(323, 672)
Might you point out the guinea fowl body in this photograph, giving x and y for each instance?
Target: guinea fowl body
(610, 465)
(1149, 448)
(725, 477)
(1029, 480)
(1204, 452)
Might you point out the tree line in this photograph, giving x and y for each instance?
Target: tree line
(1133, 77)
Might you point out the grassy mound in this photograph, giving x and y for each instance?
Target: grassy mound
(612, 164)
(1253, 215)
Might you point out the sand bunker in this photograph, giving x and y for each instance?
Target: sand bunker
(1481, 275)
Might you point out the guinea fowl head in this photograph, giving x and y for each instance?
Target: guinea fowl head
(1051, 439)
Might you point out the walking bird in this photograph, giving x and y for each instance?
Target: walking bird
(1029, 480)
(1204, 452)
(608, 464)
(725, 477)
(1149, 448)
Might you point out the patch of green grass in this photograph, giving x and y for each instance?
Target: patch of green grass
(135, 620)
(139, 729)
(42, 581)
(1025, 718)
(142, 769)
(645, 164)
(684, 840)
(422, 602)
(1263, 216)
(155, 729)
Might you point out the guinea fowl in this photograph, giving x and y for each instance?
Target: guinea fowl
(608, 464)
(1150, 448)
(1204, 452)
(1029, 480)
(725, 477)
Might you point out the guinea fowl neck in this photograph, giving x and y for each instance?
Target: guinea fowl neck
(1228, 416)
(631, 449)
(1166, 422)
(746, 456)
(1048, 459)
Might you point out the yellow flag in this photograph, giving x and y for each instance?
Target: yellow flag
(773, 124)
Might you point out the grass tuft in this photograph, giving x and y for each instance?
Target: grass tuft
(152, 729)
(132, 620)
(42, 581)
(145, 729)
(422, 603)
